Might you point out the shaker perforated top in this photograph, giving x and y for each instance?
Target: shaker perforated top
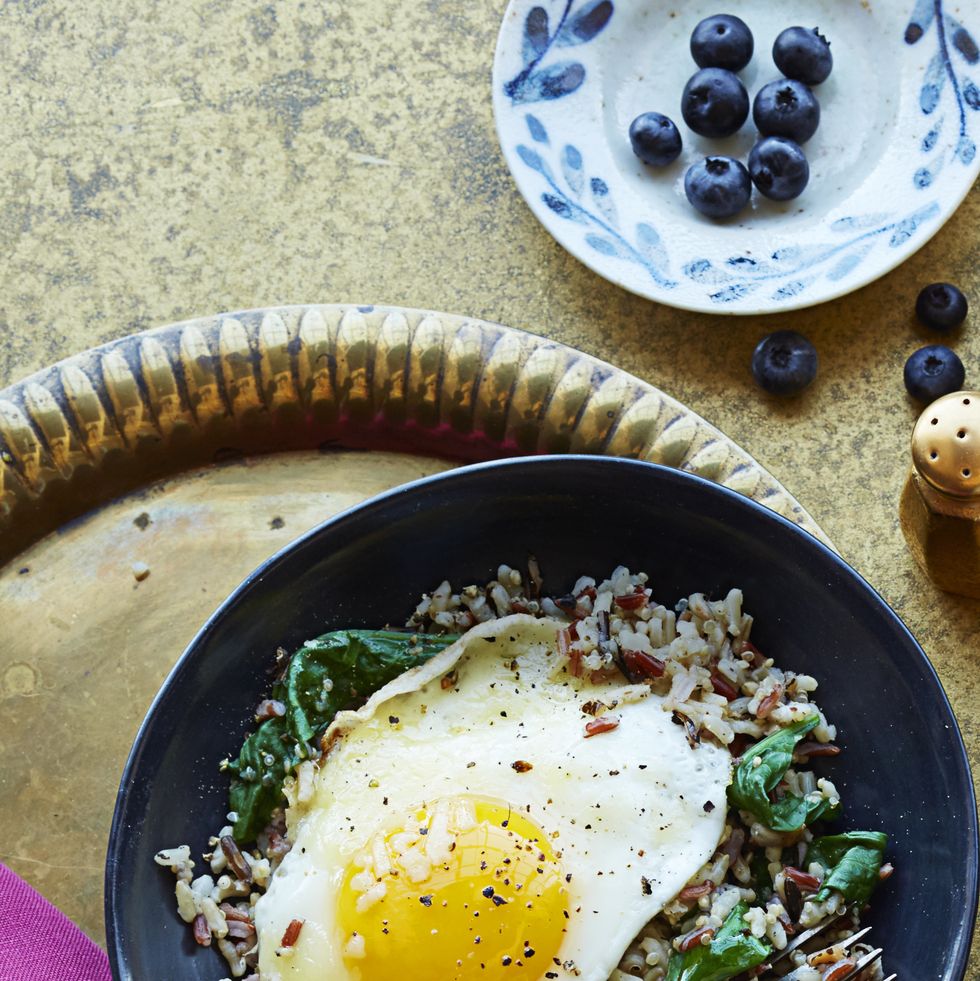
(946, 444)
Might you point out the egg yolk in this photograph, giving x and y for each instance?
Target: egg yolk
(467, 888)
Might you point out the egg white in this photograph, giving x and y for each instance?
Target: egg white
(636, 810)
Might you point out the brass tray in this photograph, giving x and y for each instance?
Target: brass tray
(163, 467)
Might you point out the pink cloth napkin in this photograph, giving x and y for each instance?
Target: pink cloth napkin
(39, 943)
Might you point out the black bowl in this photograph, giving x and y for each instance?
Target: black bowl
(904, 769)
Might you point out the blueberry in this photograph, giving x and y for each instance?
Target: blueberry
(932, 372)
(722, 41)
(784, 363)
(941, 306)
(655, 139)
(786, 108)
(718, 187)
(803, 55)
(714, 103)
(778, 168)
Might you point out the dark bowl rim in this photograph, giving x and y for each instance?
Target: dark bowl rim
(959, 758)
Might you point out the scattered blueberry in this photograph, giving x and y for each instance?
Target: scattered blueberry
(941, 306)
(784, 363)
(932, 372)
(786, 108)
(718, 187)
(803, 55)
(778, 168)
(655, 138)
(722, 41)
(714, 103)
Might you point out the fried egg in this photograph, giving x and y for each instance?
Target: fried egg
(465, 824)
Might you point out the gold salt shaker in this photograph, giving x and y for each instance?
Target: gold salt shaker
(940, 507)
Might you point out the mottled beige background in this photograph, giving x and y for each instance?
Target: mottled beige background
(161, 160)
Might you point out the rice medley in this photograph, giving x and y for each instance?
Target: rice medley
(718, 685)
(712, 674)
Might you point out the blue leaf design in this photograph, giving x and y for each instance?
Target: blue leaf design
(903, 232)
(606, 246)
(536, 38)
(793, 268)
(585, 24)
(734, 292)
(796, 257)
(967, 47)
(535, 83)
(603, 202)
(931, 138)
(571, 168)
(546, 84)
(907, 227)
(702, 271)
(786, 254)
(747, 266)
(789, 290)
(932, 87)
(922, 178)
(536, 128)
(568, 204)
(920, 20)
(533, 159)
(563, 209)
(651, 246)
(859, 222)
(953, 40)
(848, 264)
(698, 269)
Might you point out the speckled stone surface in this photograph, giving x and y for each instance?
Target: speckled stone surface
(166, 160)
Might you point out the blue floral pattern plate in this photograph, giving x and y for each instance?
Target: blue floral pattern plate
(895, 154)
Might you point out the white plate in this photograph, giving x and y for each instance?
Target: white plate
(895, 154)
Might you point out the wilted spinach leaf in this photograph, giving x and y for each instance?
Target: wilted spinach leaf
(343, 668)
(261, 767)
(732, 951)
(336, 671)
(761, 879)
(851, 861)
(751, 784)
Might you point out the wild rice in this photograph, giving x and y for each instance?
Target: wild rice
(698, 655)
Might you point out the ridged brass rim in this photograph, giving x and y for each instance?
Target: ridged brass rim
(153, 404)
